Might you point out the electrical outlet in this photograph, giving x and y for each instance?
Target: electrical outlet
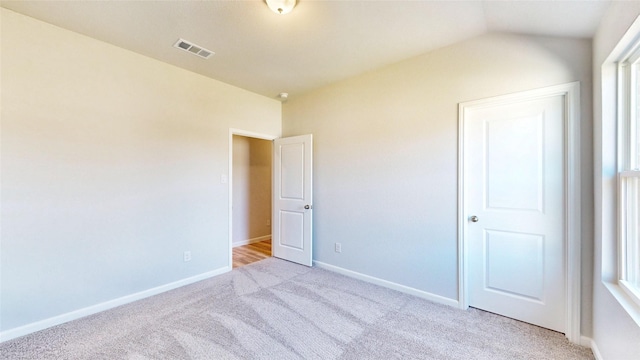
(268, 222)
(338, 247)
(187, 256)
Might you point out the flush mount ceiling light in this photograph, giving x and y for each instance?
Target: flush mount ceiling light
(281, 6)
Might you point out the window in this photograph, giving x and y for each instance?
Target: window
(629, 173)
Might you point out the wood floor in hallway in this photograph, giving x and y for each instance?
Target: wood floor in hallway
(247, 254)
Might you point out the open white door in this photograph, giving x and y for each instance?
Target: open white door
(292, 199)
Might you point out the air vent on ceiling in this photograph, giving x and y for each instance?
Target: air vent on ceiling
(193, 48)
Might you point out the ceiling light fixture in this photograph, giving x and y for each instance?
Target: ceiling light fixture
(281, 6)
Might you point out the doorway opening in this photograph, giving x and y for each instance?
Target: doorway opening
(250, 169)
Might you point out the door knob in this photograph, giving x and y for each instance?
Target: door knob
(474, 219)
(307, 207)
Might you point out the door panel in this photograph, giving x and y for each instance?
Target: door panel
(292, 199)
(292, 174)
(514, 263)
(511, 182)
(292, 229)
(514, 185)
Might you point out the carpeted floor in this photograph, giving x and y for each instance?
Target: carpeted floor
(274, 309)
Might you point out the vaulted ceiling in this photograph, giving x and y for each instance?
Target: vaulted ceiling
(318, 43)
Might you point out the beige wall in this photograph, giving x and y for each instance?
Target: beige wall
(111, 169)
(615, 333)
(385, 160)
(251, 189)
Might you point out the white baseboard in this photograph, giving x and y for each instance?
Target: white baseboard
(388, 284)
(90, 310)
(251, 241)
(588, 342)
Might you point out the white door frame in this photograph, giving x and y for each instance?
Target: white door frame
(571, 93)
(249, 134)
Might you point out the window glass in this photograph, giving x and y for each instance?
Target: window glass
(635, 111)
(629, 176)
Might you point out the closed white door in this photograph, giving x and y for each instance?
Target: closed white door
(292, 199)
(514, 176)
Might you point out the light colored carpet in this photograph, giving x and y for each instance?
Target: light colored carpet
(274, 309)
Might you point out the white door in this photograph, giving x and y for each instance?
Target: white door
(292, 199)
(514, 209)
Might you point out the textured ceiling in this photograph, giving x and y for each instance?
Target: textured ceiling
(318, 43)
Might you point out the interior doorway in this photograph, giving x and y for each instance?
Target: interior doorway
(250, 169)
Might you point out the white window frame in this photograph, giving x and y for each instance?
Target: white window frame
(628, 269)
(628, 184)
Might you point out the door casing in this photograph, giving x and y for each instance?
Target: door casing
(571, 94)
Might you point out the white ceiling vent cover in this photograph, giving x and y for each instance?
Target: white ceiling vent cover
(193, 48)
